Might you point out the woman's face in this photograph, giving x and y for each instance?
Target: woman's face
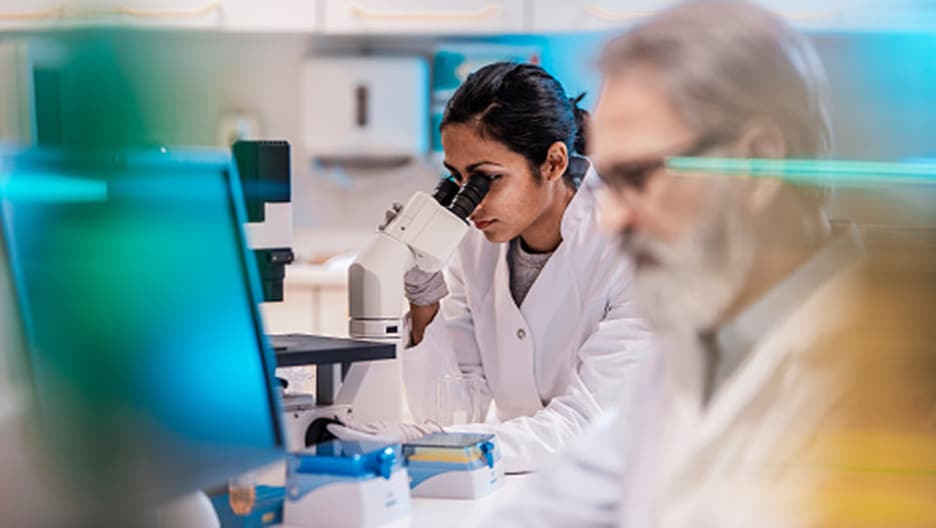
(516, 199)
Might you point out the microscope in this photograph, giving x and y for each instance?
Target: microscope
(264, 169)
(423, 234)
(360, 378)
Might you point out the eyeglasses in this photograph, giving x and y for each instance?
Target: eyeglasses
(633, 175)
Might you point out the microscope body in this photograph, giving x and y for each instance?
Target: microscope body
(423, 234)
(263, 167)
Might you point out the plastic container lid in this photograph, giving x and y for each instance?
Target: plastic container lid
(452, 448)
(351, 459)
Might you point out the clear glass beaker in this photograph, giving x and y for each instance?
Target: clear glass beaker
(458, 399)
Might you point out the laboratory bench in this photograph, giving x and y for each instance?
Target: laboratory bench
(459, 513)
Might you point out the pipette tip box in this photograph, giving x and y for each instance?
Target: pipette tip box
(454, 465)
(352, 484)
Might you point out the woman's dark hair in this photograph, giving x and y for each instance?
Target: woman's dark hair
(523, 107)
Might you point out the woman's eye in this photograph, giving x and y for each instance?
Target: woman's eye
(457, 178)
(488, 177)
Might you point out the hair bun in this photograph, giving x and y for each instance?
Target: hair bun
(581, 123)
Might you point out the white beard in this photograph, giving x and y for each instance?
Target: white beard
(689, 286)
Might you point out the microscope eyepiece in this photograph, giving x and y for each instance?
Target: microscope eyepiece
(445, 191)
(469, 196)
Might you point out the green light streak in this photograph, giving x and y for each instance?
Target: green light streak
(51, 188)
(812, 172)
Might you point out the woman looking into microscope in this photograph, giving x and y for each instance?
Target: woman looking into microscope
(536, 301)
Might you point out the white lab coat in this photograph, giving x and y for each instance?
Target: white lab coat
(550, 365)
(743, 460)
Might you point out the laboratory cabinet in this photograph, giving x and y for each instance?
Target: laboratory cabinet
(220, 15)
(432, 17)
(829, 16)
(28, 14)
(550, 16)
(293, 16)
(466, 17)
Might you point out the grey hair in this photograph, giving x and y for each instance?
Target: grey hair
(726, 63)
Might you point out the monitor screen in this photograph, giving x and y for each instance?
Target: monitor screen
(138, 300)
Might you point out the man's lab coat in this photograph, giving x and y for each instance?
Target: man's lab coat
(823, 424)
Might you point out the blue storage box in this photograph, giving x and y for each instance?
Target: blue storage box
(267, 510)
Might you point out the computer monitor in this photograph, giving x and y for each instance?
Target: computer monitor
(138, 301)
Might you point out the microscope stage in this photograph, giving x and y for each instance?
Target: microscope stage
(293, 350)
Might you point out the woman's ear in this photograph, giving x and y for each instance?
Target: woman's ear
(557, 161)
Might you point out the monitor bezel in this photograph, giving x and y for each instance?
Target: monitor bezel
(205, 160)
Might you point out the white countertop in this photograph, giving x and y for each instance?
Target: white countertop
(459, 513)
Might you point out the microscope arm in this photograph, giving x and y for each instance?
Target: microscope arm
(375, 287)
(424, 234)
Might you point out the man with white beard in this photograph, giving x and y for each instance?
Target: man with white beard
(778, 357)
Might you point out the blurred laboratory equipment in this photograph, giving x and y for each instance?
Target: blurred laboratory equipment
(264, 166)
(242, 493)
(237, 125)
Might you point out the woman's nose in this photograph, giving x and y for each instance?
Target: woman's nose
(477, 213)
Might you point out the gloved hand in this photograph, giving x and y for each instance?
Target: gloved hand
(424, 288)
(421, 288)
(389, 432)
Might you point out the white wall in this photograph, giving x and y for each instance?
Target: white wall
(215, 74)
(174, 88)
(198, 78)
(185, 83)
